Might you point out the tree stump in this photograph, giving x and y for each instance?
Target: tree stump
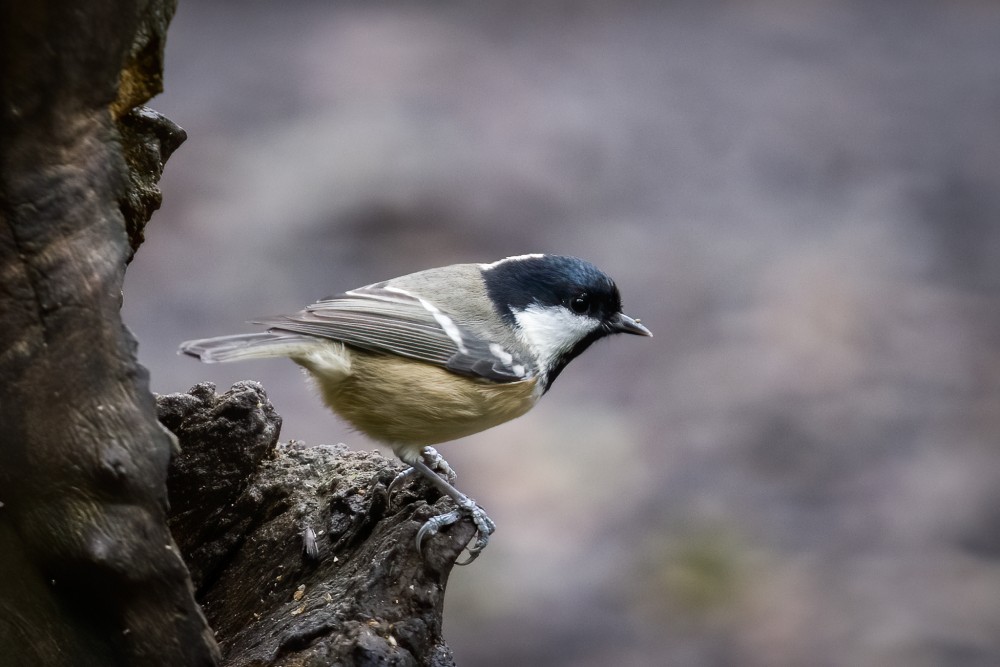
(296, 555)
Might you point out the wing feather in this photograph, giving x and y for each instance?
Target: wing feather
(389, 320)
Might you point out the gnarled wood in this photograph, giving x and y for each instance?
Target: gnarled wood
(296, 555)
(89, 574)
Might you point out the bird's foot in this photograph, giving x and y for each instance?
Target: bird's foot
(430, 464)
(484, 527)
(396, 481)
(433, 460)
(437, 463)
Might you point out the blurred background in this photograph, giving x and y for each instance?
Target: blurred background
(802, 201)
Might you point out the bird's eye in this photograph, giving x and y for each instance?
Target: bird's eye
(580, 304)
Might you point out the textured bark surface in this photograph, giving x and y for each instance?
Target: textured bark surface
(294, 552)
(89, 574)
(296, 555)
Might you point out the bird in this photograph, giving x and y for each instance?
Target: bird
(440, 354)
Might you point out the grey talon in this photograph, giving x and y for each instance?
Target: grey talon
(484, 525)
(409, 472)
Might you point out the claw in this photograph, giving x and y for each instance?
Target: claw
(433, 460)
(409, 472)
(434, 524)
(484, 528)
(428, 464)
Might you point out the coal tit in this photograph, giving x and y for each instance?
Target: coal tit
(440, 354)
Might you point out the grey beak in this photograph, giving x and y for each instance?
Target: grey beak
(622, 323)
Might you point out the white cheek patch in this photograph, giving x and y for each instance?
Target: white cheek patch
(552, 331)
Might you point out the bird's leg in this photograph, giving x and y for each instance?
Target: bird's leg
(436, 462)
(429, 463)
(484, 525)
(433, 460)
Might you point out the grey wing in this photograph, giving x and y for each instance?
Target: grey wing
(387, 319)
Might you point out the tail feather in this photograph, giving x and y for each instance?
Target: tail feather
(249, 346)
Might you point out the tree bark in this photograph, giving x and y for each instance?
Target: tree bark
(296, 554)
(89, 573)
